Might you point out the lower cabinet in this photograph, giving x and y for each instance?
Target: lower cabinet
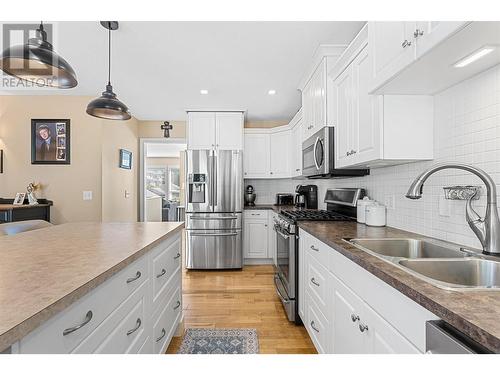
(135, 311)
(256, 237)
(347, 310)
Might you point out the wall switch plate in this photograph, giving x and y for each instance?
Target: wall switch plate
(390, 202)
(87, 195)
(444, 207)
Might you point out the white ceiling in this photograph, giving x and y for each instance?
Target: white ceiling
(164, 150)
(159, 68)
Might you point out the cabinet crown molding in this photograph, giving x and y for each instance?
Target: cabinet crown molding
(323, 50)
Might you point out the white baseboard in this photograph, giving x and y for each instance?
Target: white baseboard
(257, 261)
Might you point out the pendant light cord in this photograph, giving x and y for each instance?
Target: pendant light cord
(109, 55)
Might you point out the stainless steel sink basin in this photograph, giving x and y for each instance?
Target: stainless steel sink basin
(456, 273)
(406, 248)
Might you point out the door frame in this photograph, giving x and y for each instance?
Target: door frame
(142, 166)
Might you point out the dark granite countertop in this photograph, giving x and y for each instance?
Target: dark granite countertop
(475, 313)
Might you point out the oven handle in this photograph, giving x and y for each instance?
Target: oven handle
(285, 236)
(283, 299)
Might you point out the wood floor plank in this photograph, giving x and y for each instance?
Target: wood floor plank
(241, 299)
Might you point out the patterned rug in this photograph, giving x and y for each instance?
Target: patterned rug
(219, 341)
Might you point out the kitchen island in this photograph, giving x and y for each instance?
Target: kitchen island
(472, 312)
(91, 287)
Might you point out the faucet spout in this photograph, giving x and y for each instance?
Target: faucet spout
(487, 229)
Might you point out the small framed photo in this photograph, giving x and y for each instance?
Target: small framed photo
(19, 199)
(50, 141)
(125, 159)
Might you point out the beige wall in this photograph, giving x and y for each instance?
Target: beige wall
(94, 145)
(265, 124)
(151, 129)
(116, 181)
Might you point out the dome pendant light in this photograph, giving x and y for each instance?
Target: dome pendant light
(108, 106)
(37, 63)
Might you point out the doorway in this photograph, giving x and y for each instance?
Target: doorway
(161, 179)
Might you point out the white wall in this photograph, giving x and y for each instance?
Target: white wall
(467, 130)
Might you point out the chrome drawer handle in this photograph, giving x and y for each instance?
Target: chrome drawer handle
(314, 248)
(137, 275)
(313, 326)
(418, 33)
(354, 318)
(406, 43)
(177, 305)
(363, 327)
(137, 326)
(163, 272)
(177, 256)
(88, 318)
(314, 282)
(163, 333)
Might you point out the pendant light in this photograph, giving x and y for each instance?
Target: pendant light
(36, 62)
(108, 106)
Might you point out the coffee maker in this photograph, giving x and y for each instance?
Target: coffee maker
(306, 196)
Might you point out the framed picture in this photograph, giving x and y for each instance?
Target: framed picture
(50, 141)
(125, 159)
(19, 199)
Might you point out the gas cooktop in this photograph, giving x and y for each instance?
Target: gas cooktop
(314, 215)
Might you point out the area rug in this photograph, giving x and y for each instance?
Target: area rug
(219, 341)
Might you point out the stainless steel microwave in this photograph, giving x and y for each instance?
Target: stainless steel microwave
(318, 157)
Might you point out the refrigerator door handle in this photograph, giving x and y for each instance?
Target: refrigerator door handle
(211, 180)
(215, 179)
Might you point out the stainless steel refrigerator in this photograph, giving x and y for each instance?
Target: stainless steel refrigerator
(214, 203)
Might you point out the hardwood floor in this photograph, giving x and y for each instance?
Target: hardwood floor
(241, 299)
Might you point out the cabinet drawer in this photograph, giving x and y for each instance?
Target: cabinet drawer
(318, 280)
(316, 249)
(317, 326)
(123, 330)
(165, 263)
(255, 214)
(90, 310)
(166, 323)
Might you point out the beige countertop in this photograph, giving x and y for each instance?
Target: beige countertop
(475, 313)
(44, 271)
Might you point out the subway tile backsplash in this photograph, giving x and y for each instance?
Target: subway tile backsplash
(466, 130)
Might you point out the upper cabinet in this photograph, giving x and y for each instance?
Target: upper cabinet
(315, 90)
(257, 155)
(421, 57)
(376, 130)
(215, 130)
(280, 154)
(297, 125)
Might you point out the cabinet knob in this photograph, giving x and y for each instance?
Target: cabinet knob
(363, 327)
(406, 43)
(271, 172)
(354, 318)
(418, 33)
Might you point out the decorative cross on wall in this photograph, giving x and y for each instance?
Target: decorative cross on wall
(166, 127)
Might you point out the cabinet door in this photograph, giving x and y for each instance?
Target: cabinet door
(271, 235)
(393, 48)
(343, 87)
(256, 156)
(303, 264)
(229, 130)
(307, 105)
(365, 129)
(381, 337)
(280, 154)
(255, 239)
(318, 88)
(296, 149)
(429, 33)
(347, 311)
(201, 130)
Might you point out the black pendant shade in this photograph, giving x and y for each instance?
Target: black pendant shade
(107, 106)
(37, 62)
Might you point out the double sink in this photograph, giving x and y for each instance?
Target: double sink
(437, 262)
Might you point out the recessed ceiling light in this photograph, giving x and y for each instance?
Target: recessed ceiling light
(203, 92)
(481, 52)
(271, 92)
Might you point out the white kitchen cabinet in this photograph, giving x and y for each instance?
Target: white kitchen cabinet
(296, 145)
(314, 101)
(257, 156)
(272, 244)
(229, 130)
(376, 130)
(359, 312)
(255, 238)
(215, 130)
(428, 34)
(280, 154)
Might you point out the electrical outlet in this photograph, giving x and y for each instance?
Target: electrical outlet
(87, 195)
(390, 202)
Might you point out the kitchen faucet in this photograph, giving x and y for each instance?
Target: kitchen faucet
(486, 229)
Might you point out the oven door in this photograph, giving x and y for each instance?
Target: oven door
(314, 155)
(285, 249)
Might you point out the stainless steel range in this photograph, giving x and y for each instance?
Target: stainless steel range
(341, 206)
